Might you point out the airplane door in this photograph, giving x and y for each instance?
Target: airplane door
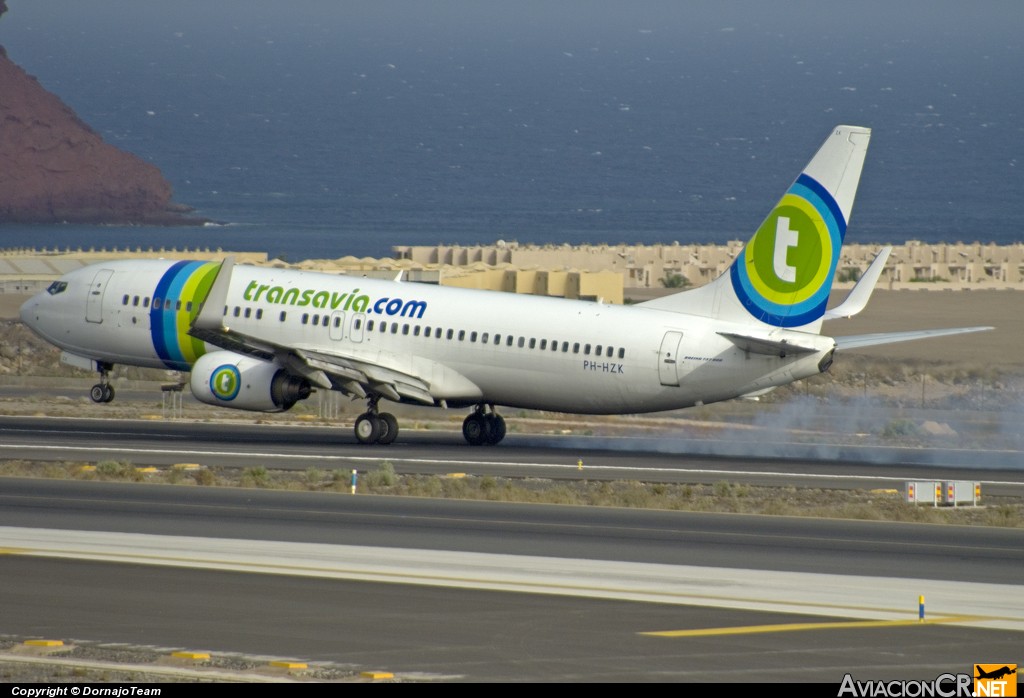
(355, 332)
(338, 325)
(94, 303)
(667, 358)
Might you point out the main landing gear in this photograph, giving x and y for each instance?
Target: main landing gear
(103, 391)
(483, 426)
(374, 427)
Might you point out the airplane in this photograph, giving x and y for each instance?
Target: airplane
(262, 339)
(995, 674)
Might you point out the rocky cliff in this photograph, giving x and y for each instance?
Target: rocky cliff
(54, 168)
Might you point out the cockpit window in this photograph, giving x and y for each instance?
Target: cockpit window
(57, 287)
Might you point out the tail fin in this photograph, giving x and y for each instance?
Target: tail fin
(784, 275)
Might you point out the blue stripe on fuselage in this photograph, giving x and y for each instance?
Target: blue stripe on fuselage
(163, 323)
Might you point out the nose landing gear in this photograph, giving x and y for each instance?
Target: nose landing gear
(103, 391)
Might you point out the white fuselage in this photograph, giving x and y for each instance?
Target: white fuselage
(470, 346)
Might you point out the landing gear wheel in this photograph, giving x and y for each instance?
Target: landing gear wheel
(475, 429)
(108, 393)
(495, 429)
(98, 393)
(368, 428)
(388, 428)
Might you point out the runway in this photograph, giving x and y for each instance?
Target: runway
(492, 591)
(299, 447)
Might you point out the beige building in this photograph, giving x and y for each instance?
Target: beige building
(924, 265)
(590, 272)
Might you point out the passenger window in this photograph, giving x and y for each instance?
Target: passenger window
(437, 332)
(145, 302)
(565, 347)
(451, 333)
(533, 342)
(485, 337)
(156, 303)
(543, 344)
(472, 336)
(405, 329)
(124, 300)
(416, 331)
(610, 352)
(248, 313)
(522, 342)
(259, 313)
(622, 353)
(327, 321)
(316, 319)
(462, 335)
(337, 321)
(586, 350)
(135, 302)
(576, 348)
(284, 314)
(394, 328)
(305, 318)
(188, 307)
(509, 340)
(597, 350)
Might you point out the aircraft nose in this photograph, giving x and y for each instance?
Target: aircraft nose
(28, 311)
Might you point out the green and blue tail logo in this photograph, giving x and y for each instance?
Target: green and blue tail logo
(784, 274)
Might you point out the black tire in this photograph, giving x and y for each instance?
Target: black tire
(474, 429)
(388, 428)
(367, 428)
(496, 429)
(97, 393)
(108, 393)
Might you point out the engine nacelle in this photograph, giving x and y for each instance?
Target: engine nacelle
(226, 379)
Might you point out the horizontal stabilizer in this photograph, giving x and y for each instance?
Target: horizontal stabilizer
(870, 340)
(861, 293)
(770, 347)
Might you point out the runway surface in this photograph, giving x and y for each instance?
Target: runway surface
(492, 591)
(299, 447)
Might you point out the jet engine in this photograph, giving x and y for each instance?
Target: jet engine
(226, 379)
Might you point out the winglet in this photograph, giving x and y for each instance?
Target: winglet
(861, 293)
(211, 315)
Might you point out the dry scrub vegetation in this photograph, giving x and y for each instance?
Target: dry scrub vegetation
(722, 496)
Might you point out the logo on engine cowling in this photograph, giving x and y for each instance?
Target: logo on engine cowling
(225, 382)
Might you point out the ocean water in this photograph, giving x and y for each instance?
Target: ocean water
(323, 129)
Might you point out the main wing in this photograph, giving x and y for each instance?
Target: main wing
(416, 380)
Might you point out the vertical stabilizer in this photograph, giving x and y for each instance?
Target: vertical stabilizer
(784, 275)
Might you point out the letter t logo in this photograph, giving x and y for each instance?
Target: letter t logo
(784, 239)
